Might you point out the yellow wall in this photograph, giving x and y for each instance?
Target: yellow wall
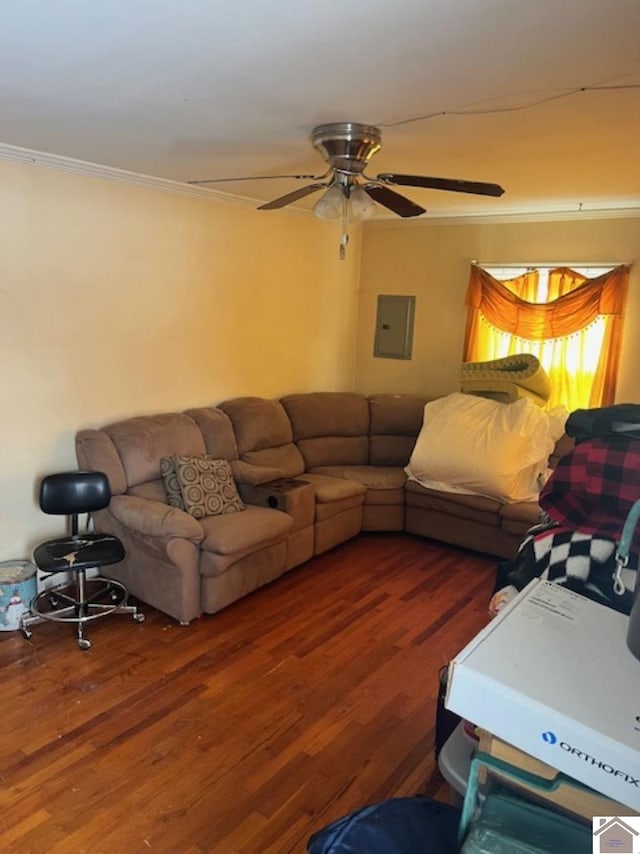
(432, 263)
(118, 300)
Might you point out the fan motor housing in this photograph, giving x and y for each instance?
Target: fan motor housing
(347, 146)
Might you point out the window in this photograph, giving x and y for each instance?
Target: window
(570, 319)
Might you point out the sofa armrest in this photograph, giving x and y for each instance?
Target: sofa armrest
(153, 519)
(162, 546)
(252, 475)
(290, 495)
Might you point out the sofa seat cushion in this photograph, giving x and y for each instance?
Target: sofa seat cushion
(236, 532)
(515, 527)
(478, 502)
(328, 489)
(475, 507)
(385, 496)
(384, 484)
(372, 477)
(333, 509)
(522, 511)
(519, 517)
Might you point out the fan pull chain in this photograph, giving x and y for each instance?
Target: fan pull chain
(344, 237)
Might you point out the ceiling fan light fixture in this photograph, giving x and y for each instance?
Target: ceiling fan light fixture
(361, 205)
(329, 205)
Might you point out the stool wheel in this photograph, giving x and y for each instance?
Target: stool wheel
(139, 617)
(84, 643)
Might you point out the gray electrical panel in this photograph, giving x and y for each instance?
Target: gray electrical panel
(394, 327)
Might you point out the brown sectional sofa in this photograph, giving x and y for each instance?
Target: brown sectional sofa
(313, 469)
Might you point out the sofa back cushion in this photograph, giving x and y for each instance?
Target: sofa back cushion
(217, 432)
(330, 428)
(395, 422)
(142, 442)
(95, 451)
(263, 434)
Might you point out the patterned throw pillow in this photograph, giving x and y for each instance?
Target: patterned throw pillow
(171, 485)
(207, 486)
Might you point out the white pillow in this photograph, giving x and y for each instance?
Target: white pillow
(478, 446)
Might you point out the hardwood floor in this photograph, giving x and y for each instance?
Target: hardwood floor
(247, 730)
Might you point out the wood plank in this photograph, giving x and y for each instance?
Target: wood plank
(247, 730)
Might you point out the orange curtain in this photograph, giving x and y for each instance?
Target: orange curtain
(524, 286)
(581, 316)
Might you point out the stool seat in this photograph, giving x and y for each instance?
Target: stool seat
(84, 551)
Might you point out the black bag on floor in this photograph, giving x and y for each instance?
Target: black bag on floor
(398, 826)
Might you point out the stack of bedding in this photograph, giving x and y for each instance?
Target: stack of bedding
(506, 379)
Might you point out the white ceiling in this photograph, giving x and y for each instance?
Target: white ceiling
(192, 89)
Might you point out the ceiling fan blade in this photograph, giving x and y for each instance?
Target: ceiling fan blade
(260, 178)
(281, 201)
(392, 200)
(480, 188)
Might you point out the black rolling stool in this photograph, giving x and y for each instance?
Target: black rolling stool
(71, 494)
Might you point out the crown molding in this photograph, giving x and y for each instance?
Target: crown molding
(500, 219)
(119, 176)
(178, 188)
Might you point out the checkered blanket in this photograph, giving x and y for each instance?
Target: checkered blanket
(582, 562)
(586, 501)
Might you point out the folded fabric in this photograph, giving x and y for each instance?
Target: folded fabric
(584, 563)
(593, 488)
(506, 379)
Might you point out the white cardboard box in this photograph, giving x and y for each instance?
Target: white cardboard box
(552, 675)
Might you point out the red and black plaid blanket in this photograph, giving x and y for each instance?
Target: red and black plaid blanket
(586, 501)
(593, 488)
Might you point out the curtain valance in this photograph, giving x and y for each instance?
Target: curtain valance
(569, 313)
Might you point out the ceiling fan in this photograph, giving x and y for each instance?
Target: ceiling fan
(348, 147)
